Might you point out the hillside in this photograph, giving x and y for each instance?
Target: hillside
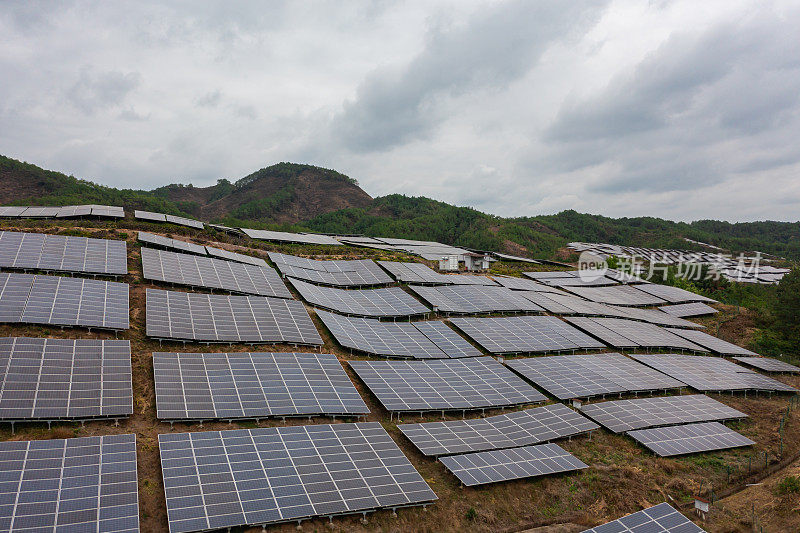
(305, 197)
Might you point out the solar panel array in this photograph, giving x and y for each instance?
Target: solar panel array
(340, 273)
(149, 215)
(621, 333)
(196, 271)
(715, 344)
(690, 309)
(525, 334)
(60, 301)
(584, 376)
(661, 518)
(514, 463)
(206, 386)
(223, 479)
(283, 236)
(768, 364)
(387, 302)
(83, 484)
(221, 318)
(444, 384)
(626, 295)
(624, 415)
(234, 256)
(674, 295)
(424, 275)
(59, 379)
(520, 428)
(711, 373)
(417, 340)
(690, 438)
(467, 299)
(522, 284)
(37, 251)
(183, 221)
(171, 244)
(67, 211)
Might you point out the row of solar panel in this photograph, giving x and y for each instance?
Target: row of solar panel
(67, 211)
(192, 248)
(37, 251)
(60, 301)
(172, 219)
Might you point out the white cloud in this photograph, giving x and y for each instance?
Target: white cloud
(677, 109)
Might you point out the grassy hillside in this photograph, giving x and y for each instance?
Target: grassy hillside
(304, 197)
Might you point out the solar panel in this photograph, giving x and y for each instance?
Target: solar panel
(147, 215)
(112, 211)
(711, 373)
(220, 318)
(61, 379)
(514, 463)
(59, 301)
(206, 386)
(520, 428)
(714, 344)
(12, 211)
(661, 518)
(183, 221)
(768, 364)
(522, 284)
(551, 274)
(576, 281)
(233, 256)
(690, 309)
(37, 251)
(284, 236)
(444, 384)
(387, 302)
(672, 294)
(83, 484)
(524, 334)
(422, 274)
(417, 340)
(171, 244)
(223, 479)
(691, 438)
(74, 211)
(196, 271)
(621, 333)
(40, 212)
(467, 299)
(515, 258)
(624, 415)
(626, 295)
(584, 376)
(342, 273)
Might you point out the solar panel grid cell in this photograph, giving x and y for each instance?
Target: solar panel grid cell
(444, 384)
(689, 438)
(219, 479)
(388, 302)
(80, 484)
(252, 385)
(520, 428)
(514, 463)
(625, 415)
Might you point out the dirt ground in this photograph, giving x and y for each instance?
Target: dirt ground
(623, 477)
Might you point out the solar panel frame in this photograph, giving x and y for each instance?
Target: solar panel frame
(182, 316)
(64, 379)
(223, 479)
(226, 386)
(444, 384)
(661, 518)
(625, 415)
(48, 478)
(512, 463)
(768, 364)
(519, 428)
(208, 272)
(416, 340)
(689, 438)
(390, 302)
(472, 299)
(524, 334)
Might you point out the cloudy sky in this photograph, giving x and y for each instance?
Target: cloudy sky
(682, 110)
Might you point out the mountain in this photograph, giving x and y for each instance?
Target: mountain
(294, 196)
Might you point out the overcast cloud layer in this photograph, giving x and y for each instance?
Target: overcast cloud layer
(682, 110)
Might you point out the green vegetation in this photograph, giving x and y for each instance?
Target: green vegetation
(788, 485)
(472, 514)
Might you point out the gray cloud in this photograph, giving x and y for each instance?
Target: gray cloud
(100, 90)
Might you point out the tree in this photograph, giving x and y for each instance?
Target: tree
(787, 311)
